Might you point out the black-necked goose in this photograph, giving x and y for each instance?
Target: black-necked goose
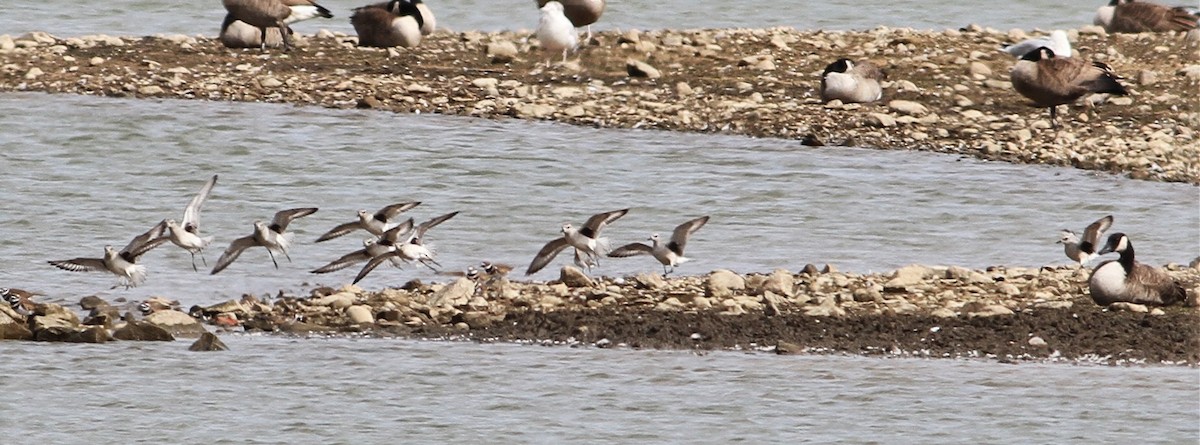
(1057, 42)
(1129, 16)
(851, 82)
(670, 254)
(1051, 81)
(1083, 250)
(265, 14)
(395, 23)
(1126, 280)
(586, 240)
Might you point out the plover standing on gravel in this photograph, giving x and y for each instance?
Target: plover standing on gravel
(273, 237)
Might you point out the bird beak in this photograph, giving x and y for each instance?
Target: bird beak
(1107, 249)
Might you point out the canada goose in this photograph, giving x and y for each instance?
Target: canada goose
(428, 21)
(238, 34)
(376, 223)
(265, 14)
(586, 241)
(851, 82)
(670, 254)
(1057, 42)
(273, 237)
(121, 263)
(555, 32)
(1052, 81)
(580, 12)
(395, 23)
(1127, 280)
(1082, 251)
(1128, 16)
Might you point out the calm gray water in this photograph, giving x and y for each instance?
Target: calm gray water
(117, 167)
(276, 390)
(145, 17)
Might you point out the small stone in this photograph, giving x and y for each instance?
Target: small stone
(33, 73)
(650, 281)
(978, 68)
(683, 89)
(360, 314)
(723, 283)
(908, 107)
(456, 294)
(573, 277)
(177, 323)
(142, 331)
(637, 68)
(1036, 341)
(269, 82)
(880, 120)
(150, 90)
(91, 302)
(208, 342)
(1122, 306)
(788, 348)
(502, 51)
(990, 311)
(907, 276)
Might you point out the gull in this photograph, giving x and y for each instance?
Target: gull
(411, 248)
(372, 247)
(585, 240)
(1085, 250)
(580, 12)
(1057, 42)
(187, 236)
(555, 32)
(669, 254)
(272, 237)
(121, 263)
(376, 223)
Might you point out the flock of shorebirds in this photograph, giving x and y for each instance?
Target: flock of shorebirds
(395, 241)
(1046, 72)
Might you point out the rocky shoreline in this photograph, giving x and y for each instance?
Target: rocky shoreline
(948, 91)
(1005, 314)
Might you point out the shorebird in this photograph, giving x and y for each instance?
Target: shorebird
(272, 237)
(1125, 279)
(669, 254)
(1057, 42)
(121, 263)
(187, 236)
(372, 247)
(20, 300)
(395, 23)
(1128, 16)
(408, 247)
(1082, 251)
(580, 12)
(555, 32)
(265, 14)
(376, 223)
(586, 241)
(1052, 81)
(851, 82)
(155, 304)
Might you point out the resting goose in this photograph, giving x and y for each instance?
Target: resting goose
(1127, 280)
(851, 82)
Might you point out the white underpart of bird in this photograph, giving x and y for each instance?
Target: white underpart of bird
(555, 32)
(1057, 42)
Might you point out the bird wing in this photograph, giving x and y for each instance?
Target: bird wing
(631, 249)
(399, 234)
(1093, 232)
(425, 226)
(544, 256)
(680, 236)
(80, 264)
(387, 213)
(235, 249)
(340, 230)
(191, 213)
(143, 243)
(592, 227)
(869, 70)
(285, 217)
(345, 261)
(375, 262)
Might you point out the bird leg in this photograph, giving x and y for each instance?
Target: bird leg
(262, 44)
(1054, 117)
(272, 254)
(423, 261)
(194, 268)
(284, 32)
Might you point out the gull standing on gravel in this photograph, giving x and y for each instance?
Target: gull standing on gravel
(580, 12)
(555, 32)
(265, 14)
(1057, 42)
(586, 241)
(187, 236)
(376, 223)
(273, 237)
(1050, 81)
(669, 254)
(121, 263)
(372, 247)
(412, 248)
(1083, 251)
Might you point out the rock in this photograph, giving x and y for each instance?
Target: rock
(1122, 306)
(723, 283)
(361, 314)
(880, 120)
(502, 51)
(787, 348)
(907, 276)
(1036, 341)
(455, 294)
(573, 277)
(637, 68)
(908, 107)
(54, 334)
(175, 322)
(979, 69)
(650, 281)
(299, 327)
(208, 342)
(94, 334)
(91, 302)
(340, 300)
(12, 325)
(683, 89)
(826, 308)
(1147, 77)
(33, 73)
(780, 282)
(142, 331)
(990, 310)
